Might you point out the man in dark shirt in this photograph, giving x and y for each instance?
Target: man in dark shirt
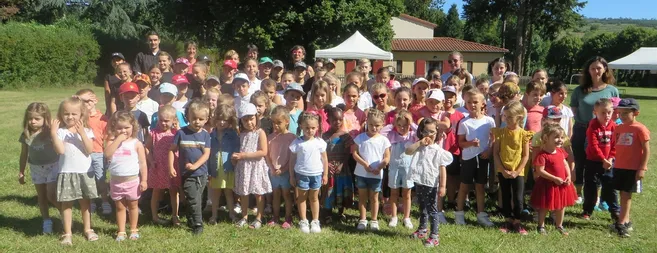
(145, 60)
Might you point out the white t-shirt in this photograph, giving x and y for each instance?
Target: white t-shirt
(476, 128)
(309, 156)
(365, 101)
(254, 86)
(149, 107)
(464, 111)
(490, 109)
(425, 165)
(567, 119)
(180, 106)
(281, 95)
(371, 149)
(336, 100)
(74, 159)
(125, 160)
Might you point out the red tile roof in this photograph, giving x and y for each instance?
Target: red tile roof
(443, 44)
(418, 21)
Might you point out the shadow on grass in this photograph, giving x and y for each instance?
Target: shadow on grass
(28, 201)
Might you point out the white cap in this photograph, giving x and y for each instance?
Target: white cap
(420, 80)
(247, 109)
(241, 76)
(436, 94)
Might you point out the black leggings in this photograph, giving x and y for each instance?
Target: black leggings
(579, 151)
(512, 189)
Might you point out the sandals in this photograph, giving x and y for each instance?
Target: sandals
(91, 235)
(541, 230)
(241, 223)
(66, 240)
(562, 230)
(175, 221)
(120, 236)
(256, 224)
(212, 220)
(134, 234)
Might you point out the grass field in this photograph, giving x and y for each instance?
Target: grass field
(20, 222)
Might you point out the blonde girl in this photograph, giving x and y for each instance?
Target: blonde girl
(510, 154)
(354, 117)
(379, 93)
(211, 96)
(72, 140)
(262, 104)
(200, 73)
(268, 86)
(507, 93)
(402, 99)
(334, 85)
(127, 168)
(321, 96)
(309, 169)
(232, 55)
(224, 143)
(420, 87)
(278, 161)
(457, 82)
(158, 144)
(402, 135)
(164, 63)
(37, 150)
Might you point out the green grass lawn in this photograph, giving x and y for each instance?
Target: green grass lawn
(20, 222)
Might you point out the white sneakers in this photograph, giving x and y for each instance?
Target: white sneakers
(314, 227)
(482, 219)
(393, 222)
(362, 225)
(407, 223)
(303, 225)
(374, 225)
(459, 217)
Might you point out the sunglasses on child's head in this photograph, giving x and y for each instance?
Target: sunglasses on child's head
(380, 96)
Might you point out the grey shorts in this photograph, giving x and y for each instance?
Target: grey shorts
(74, 186)
(99, 166)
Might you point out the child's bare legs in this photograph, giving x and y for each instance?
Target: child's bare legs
(245, 209)
(120, 215)
(463, 193)
(214, 195)
(480, 193)
(452, 186)
(558, 216)
(394, 196)
(314, 203)
(42, 198)
(362, 202)
(230, 201)
(541, 216)
(406, 200)
(155, 204)
(374, 204)
(133, 207)
(67, 216)
(260, 203)
(277, 204)
(626, 204)
(301, 203)
(175, 203)
(288, 204)
(86, 214)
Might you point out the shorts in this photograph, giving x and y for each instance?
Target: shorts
(128, 190)
(397, 179)
(282, 181)
(474, 171)
(99, 166)
(305, 183)
(74, 186)
(625, 180)
(43, 174)
(368, 183)
(454, 169)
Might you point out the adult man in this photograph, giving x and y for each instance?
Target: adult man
(145, 60)
(455, 60)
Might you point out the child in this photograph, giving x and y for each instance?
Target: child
(251, 70)
(402, 97)
(309, 167)
(286, 79)
(496, 70)
(161, 138)
(483, 85)
(211, 82)
(456, 81)
(511, 153)
(434, 109)
(98, 124)
(228, 71)
(372, 154)
(558, 94)
(321, 97)
(192, 143)
(293, 95)
(264, 67)
(155, 75)
(181, 66)
(631, 140)
(182, 84)
(365, 99)
(338, 192)
(225, 142)
(533, 94)
(164, 61)
(334, 85)
(72, 140)
(278, 161)
(251, 177)
(600, 154)
(466, 95)
(553, 190)
(145, 104)
(277, 71)
(128, 170)
(129, 93)
(262, 103)
(268, 86)
(354, 117)
(507, 93)
(451, 144)
(124, 73)
(420, 87)
(427, 172)
(168, 93)
(474, 139)
(379, 93)
(212, 96)
(198, 79)
(511, 77)
(37, 150)
(402, 136)
(494, 102)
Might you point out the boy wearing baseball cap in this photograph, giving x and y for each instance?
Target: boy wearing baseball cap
(265, 66)
(168, 93)
(293, 96)
(129, 93)
(145, 104)
(632, 142)
(241, 85)
(228, 71)
(182, 84)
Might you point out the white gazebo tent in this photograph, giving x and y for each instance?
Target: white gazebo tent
(643, 59)
(355, 47)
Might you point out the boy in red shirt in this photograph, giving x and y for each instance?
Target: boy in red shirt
(600, 155)
(631, 140)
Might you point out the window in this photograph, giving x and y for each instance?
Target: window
(434, 65)
(468, 66)
(399, 67)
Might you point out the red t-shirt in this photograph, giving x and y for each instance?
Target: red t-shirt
(554, 163)
(629, 139)
(451, 142)
(534, 117)
(390, 117)
(601, 141)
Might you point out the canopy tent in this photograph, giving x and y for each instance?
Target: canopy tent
(355, 47)
(643, 59)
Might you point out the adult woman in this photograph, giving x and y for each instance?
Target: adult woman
(496, 70)
(298, 54)
(190, 49)
(595, 84)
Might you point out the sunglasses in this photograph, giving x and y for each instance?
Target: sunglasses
(380, 96)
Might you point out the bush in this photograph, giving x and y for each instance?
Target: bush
(33, 55)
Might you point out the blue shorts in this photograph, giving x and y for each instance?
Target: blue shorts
(282, 181)
(373, 184)
(308, 182)
(99, 166)
(397, 179)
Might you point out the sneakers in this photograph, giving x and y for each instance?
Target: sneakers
(374, 225)
(106, 208)
(197, 230)
(47, 226)
(482, 218)
(92, 207)
(393, 222)
(238, 208)
(407, 223)
(287, 224)
(304, 227)
(628, 227)
(419, 234)
(586, 216)
(621, 229)
(314, 227)
(579, 201)
(505, 227)
(520, 229)
(603, 206)
(459, 218)
(362, 225)
(433, 241)
(541, 230)
(441, 218)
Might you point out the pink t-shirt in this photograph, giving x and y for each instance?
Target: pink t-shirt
(324, 117)
(390, 117)
(534, 117)
(415, 110)
(425, 113)
(279, 150)
(353, 121)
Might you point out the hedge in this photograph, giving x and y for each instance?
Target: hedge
(33, 55)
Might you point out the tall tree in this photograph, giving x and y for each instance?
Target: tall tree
(562, 54)
(452, 26)
(429, 10)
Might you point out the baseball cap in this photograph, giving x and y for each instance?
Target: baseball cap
(118, 55)
(128, 87)
(241, 76)
(143, 78)
(300, 65)
(168, 88)
(182, 60)
(214, 78)
(295, 87)
(420, 80)
(264, 60)
(230, 63)
(436, 94)
(628, 103)
(246, 109)
(279, 64)
(448, 88)
(204, 58)
(179, 79)
(552, 112)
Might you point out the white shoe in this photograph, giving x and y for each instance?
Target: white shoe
(223, 208)
(362, 225)
(459, 218)
(314, 227)
(107, 208)
(579, 201)
(92, 207)
(303, 225)
(254, 211)
(407, 223)
(237, 209)
(47, 226)
(374, 225)
(393, 222)
(441, 218)
(483, 219)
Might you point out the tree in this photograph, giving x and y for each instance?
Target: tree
(452, 26)
(562, 55)
(598, 45)
(429, 10)
(484, 33)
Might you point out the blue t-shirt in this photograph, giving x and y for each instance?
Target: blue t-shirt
(179, 115)
(221, 151)
(190, 148)
(294, 122)
(142, 120)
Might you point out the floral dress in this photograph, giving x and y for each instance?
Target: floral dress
(251, 175)
(158, 174)
(340, 186)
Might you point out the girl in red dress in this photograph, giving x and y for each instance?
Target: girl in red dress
(553, 190)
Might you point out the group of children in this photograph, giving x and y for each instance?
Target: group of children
(270, 141)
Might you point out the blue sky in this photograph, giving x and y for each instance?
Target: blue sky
(637, 9)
